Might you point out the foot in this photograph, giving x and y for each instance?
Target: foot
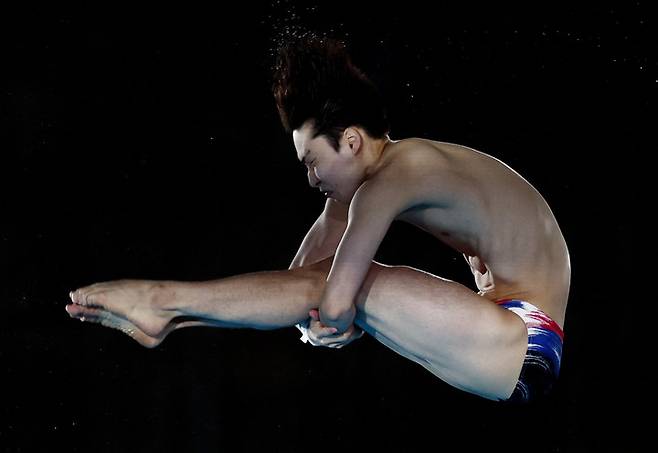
(134, 307)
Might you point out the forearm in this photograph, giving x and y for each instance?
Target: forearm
(337, 308)
(320, 242)
(312, 254)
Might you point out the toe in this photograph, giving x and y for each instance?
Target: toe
(73, 310)
(95, 299)
(78, 296)
(83, 313)
(81, 296)
(88, 298)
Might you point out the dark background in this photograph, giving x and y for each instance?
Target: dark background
(144, 143)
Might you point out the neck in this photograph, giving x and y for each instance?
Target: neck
(375, 153)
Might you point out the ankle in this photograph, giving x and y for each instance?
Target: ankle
(166, 297)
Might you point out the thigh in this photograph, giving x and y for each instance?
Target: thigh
(459, 336)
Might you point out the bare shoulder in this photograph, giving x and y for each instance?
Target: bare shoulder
(397, 185)
(411, 173)
(415, 158)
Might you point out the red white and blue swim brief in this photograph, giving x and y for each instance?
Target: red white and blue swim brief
(541, 365)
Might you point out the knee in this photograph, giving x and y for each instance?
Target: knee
(322, 268)
(318, 271)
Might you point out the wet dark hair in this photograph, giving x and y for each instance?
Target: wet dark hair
(315, 79)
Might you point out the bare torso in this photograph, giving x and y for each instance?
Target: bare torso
(501, 224)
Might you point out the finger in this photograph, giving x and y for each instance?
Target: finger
(322, 333)
(333, 333)
(321, 329)
(337, 339)
(337, 344)
(329, 331)
(323, 336)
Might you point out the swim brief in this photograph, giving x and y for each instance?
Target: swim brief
(541, 365)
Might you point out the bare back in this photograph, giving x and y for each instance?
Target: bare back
(482, 208)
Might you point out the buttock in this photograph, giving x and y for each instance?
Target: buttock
(541, 365)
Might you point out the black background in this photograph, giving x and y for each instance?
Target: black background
(143, 142)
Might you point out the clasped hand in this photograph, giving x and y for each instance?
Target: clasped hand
(321, 335)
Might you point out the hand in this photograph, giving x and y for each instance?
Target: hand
(321, 335)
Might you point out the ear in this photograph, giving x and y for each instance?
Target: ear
(353, 139)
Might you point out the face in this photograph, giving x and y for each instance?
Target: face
(338, 173)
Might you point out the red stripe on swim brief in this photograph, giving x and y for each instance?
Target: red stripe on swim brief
(537, 318)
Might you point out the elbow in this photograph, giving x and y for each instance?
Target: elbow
(333, 314)
(338, 313)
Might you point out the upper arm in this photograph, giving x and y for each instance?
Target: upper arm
(373, 208)
(333, 222)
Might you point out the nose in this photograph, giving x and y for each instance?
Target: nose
(313, 180)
